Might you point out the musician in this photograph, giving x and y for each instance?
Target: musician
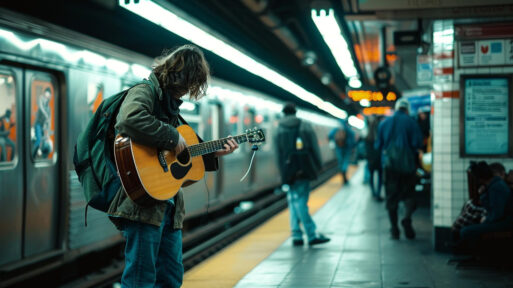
(153, 252)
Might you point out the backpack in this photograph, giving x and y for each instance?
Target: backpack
(93, 155)
(397, 158)
(340, 138)
(298, 163)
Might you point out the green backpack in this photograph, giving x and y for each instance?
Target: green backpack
(93, 157)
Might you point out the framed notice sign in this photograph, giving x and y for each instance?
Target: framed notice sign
(486, 115)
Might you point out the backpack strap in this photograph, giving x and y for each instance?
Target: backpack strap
(182, 120)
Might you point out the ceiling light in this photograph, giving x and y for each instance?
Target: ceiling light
(326, 79)
(207, 39)
(356, 122)
(309, 58)
(355, 82)
(365, 103)
(332, 34)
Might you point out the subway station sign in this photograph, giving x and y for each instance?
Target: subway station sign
(358, 95)
(488, 44)
(381, 102)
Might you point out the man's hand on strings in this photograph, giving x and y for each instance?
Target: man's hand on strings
(181, 145)
(229, 147)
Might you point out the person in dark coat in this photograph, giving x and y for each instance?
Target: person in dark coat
(400, 130)
(292, 137)
(497, 199)
(373, 157)
(153, 250)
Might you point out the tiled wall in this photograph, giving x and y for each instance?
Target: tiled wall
(449, 169)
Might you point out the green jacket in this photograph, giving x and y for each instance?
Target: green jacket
(137, 119)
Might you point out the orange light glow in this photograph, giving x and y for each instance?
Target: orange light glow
(391, 96)
(259, 118)
(358, 95)
(390, 55)
(368, 53)
(377, 111)
(234, 119)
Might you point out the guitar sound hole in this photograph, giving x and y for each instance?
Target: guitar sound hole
(183, 157)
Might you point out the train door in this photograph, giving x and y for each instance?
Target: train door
(40, 161)
(11, 164)
(28, 163)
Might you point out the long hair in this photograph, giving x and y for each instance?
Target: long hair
(183, 71)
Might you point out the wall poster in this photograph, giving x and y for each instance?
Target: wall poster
(485, 113)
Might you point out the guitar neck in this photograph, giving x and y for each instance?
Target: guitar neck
(215, 145)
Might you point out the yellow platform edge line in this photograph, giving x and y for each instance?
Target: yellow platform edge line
(231, 264)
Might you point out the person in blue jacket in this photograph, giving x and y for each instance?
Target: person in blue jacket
(344, 140)
(400, 130)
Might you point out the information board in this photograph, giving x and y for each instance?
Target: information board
(486, 115)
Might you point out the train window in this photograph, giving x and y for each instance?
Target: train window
(249, 116)
(233, 122)
(42, 119)
(94, 96)
(7, 117)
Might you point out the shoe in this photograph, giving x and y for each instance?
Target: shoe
(408, 229)
(394, 233)
(297, 242)
(319, 240)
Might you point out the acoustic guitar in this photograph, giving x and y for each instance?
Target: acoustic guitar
(148, 174)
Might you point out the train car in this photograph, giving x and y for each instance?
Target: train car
(50, 86)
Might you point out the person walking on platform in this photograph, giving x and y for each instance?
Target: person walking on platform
(299, 161)
(373, 156)
(399, 138)
(344, 139)
(153, 250)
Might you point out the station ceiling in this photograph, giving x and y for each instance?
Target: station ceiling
(279, 32)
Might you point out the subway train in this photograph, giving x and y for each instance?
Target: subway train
(50, 88)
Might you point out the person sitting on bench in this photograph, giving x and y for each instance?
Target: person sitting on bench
(496, 198)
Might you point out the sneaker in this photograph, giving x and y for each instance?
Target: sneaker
(408, 229)
(394, 233)
(319, 240)
(297, 242)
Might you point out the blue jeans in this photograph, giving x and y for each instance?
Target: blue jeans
(343, 157)
(153, 255)
(297, 198)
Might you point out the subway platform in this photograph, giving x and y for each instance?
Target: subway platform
(360, 253)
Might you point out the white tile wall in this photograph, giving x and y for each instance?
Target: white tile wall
(449, 169)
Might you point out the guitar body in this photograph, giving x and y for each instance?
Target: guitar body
(143, 174)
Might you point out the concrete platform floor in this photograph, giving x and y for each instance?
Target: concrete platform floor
(360, 253)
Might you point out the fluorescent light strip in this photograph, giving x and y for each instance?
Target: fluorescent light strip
(356, 122)
(332, 35)
(179, 26)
